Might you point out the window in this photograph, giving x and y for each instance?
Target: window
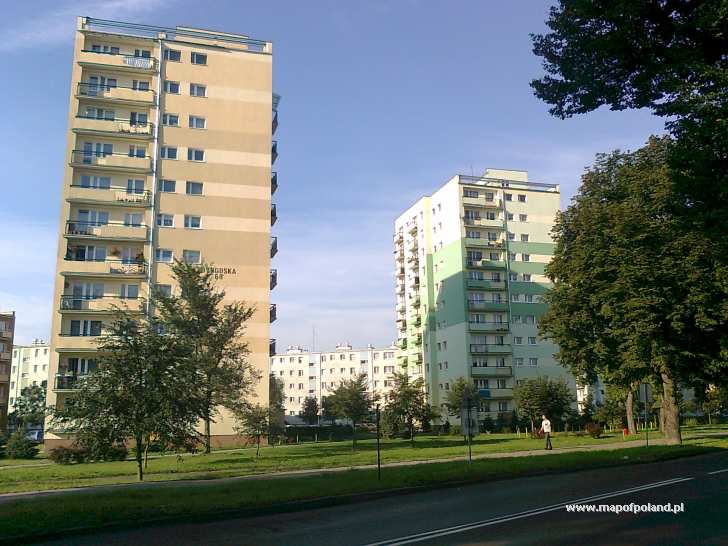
(518, 340)
(516, 319)
(169, 152)
(513, 276)
(509, 216)
(172, 55)
(527, 277)
(194, 188)
(196, 122)
(488, 196)
(529, 319)
(171, 87)
(490, 215)
(137, 151)
(170, 120)
(191, 256)
(472, 234)
(533, 361)
(195, 154)
(509, 196)
(528, 298)
(167, 186)
(85, 328)
(523, 217)
(524, 237)
(134, 185)
(100, 182)
(519, 361)
(134, 219)
(193, 222)
(199, 58)
(502, 406)
(163, 255)
(532, 340)
(522, 197)
(139, 85)
(526, 257)
(142, 53)
(470, 193)
(165, 220)
(197, 90)
(501, 383)
(129, 291)
(164, 289)
(512, 256)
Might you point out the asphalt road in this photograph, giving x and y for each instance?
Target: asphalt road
(513, 512)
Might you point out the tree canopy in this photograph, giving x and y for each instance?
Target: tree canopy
(351, 400)
(543, 396)
(406, 402)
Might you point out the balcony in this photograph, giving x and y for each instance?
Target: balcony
(490, 349)
(495, 393)
(273, 246)
(6, 334)
(416, 302)
(98, 304)
(492, 371)
(273, 278)
(488, 305)
(274, 123)
(273, 182)
(127, 95)
(483, 243)
(274, 152)
(119, 61)
(69, 343)
(272, 347)
(5, 356)
(117, 231)
(116, 127)
(402, 343)
(273, 214)
(488, 326)
(112, 195)
(486, 264)
(65, 383)
(487, 285)
(104, 268)
(273, 313)
(483, 222)
(110, 161)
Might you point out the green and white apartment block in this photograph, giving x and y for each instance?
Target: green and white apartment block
(469, 268)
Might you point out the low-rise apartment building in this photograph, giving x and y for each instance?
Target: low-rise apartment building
(7, 334)
(30, 367)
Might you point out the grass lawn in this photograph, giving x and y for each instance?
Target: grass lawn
(41, 515)
(273, 459)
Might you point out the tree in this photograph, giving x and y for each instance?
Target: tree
(140, 390)
(460, 390)
(635, 295)
(713, 401)
(543, 396)
(253, 421)
(276, 409)
(612, 411)
(29, 408)
(351, 401)
(310, 410)
(327, 410)
(407, 402)
(214, 333)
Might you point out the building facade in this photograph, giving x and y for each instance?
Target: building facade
(469, 268)
(7, 334)
(311, 374)
(30, 367)
(169, 156)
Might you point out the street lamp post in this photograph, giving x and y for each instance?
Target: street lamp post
(644, 417)
(379, 457)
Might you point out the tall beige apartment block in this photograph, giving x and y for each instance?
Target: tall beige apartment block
(169, 156)
(7, 332)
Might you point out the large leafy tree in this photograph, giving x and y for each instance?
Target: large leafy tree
(140, 390)
(310, 410)
(214, 333)
(461, 393)
(253, 420)
(543, 396)
(276, 408)
(351, 400)
(29, 408)
(636, 295)
(407, 402)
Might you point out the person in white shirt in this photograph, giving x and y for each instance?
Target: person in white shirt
(546, 429)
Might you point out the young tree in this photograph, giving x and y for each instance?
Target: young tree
(29, 408)
(635, 296)
(140, 390)
(543, 396)
(253, 421)
(214, 333)
(460, 391)
(351, 401)
(327, 410)
(276, 409)
(408, 402)
(310, 410)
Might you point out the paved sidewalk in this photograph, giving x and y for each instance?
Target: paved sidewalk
(6, 497)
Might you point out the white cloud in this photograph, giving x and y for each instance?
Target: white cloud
(49, 27)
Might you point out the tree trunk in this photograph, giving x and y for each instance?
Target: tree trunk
(412, 432)
(670, 412)
(353, 435)
(257, 451)
(208, 419)
(629, 406)
(140, 462)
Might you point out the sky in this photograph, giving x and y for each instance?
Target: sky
(383, 101)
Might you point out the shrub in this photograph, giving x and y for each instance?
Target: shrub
(594, 429)
(68, 455)
(117, 452)
(455, 430)
(20, 447)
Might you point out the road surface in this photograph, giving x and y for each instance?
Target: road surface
(525, 511)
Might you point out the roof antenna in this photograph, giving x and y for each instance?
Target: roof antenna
(471, 170)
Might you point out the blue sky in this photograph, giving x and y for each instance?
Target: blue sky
(383, 101)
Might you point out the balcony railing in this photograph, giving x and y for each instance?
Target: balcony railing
(119, 60)
(273, 278)
(487, 348)
(273, 214)
(98, 304)
(486, 284)
(66, 382)
(107, 266)
(109, 230)
(486, 264)
(487, 305)
(110, 195)
(110, 160)
(273, 312)
(275, 122)
(123, 126)
(6, 334)
(488, 326)
(273, 182)
(492, 371)
(272, 347)
(274, 152)
(115, 92)
(273, 246)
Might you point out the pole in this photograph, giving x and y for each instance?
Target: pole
(470, 424)
(647, 430)
(379, 457)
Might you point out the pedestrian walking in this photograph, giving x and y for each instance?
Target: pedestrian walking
(546, 430)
